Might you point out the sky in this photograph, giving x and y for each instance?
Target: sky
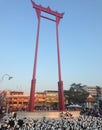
(80, 37)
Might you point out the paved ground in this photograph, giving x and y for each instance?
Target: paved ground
(47, 114)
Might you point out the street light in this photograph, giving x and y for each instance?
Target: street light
(9, 77)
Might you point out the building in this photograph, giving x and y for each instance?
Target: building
(92, 90)
(90, 102)
(16, 101)
(19, 101)
(40, 99)
(47, 100)
(51, 100)
(95, 96)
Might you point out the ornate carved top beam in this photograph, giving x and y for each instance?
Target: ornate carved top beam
(47, 10)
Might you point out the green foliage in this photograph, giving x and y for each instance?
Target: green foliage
(98, 91)
(77, 94)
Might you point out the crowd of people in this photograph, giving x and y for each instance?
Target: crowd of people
(65, 122)
(92, 112)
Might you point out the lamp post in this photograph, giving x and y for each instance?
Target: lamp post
(9, 77)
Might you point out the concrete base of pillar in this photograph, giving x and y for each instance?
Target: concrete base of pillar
(32, 95)
(61, 95)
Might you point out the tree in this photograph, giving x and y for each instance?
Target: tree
(98, 96)
(77, 94)
(98, 92)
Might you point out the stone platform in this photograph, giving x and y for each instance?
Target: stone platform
(47, 114)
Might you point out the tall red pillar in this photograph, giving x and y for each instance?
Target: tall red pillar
(33, 82)
(60, 82)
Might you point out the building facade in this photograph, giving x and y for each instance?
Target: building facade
(19, 101)
(47, 100)
(93, 90)
(51, 100)
(16, 101)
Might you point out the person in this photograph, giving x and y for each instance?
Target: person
(11, 123)
(14, 115)
(20, 122)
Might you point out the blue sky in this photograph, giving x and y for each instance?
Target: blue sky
(80, 36)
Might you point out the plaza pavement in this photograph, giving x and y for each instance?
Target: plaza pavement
(47, 114)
